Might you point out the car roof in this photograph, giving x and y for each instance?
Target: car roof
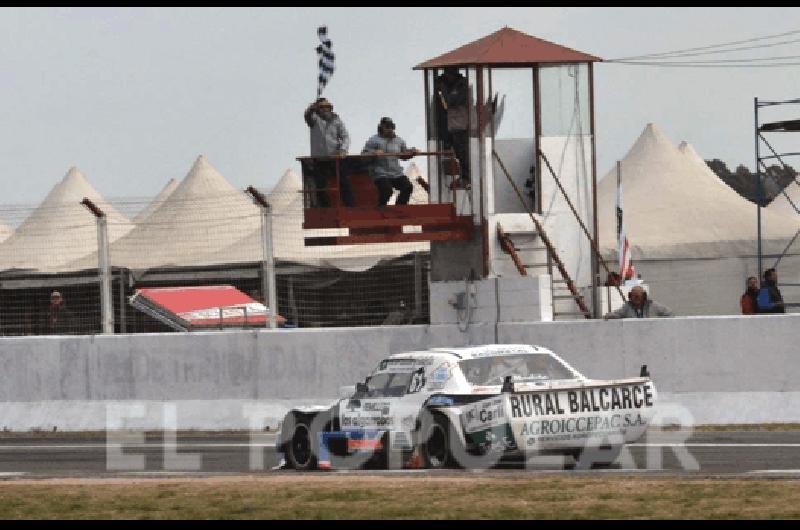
(474, 352)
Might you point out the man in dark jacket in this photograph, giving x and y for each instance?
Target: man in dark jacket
(639, 306)
(770, 299)
(57, 320)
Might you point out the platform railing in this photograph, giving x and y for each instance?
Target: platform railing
(339, 160)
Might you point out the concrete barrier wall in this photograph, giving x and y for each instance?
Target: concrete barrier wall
(723, 369)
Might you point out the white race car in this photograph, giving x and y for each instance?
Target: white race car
(470, 407)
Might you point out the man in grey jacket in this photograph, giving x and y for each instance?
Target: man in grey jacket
(386, 170)
(639, 306)
(329, 137)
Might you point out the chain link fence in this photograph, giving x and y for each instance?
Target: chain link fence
(199, 232)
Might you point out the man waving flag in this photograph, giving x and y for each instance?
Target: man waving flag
(626, 270)
(326, 58)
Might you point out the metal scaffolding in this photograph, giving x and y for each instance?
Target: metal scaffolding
(787, 126)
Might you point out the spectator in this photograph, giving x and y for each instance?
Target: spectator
(386, 171)
(329, 138)
(456, 116)
(749, 301)
(452, 92)
(770, 299)
(58, 319)
(613, 279)
(639, 306)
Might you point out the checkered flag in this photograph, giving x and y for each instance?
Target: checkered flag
(326, 58)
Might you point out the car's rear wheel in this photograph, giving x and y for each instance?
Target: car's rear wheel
(301, 449)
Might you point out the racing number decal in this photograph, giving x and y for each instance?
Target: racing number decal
(417, 381)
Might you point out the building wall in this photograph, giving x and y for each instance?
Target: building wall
(722, 369)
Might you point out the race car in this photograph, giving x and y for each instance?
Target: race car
(470, 407)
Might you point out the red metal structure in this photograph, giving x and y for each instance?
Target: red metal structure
(366, 223)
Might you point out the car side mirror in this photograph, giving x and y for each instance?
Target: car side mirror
(644, 372)
(508, 385)
(361, 388)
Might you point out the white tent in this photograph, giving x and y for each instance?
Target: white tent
(60, 229)
(693, 238)
(419, 195)
(676, 207)
(5, 231)
(203, 214)
(156, 203)
(781, 204)
(289, 237)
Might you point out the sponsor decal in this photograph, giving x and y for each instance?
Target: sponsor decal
(602, 399)
(581, 427)
(417, 381)
(442, 373)
(382, 407)
(367, 421)
(397, 366)
(483, 415)
(501, 351)
(365, 444)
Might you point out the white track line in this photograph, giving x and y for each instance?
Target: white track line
(135, 446)
(710, 445)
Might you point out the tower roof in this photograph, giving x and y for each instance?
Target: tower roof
(508, 47)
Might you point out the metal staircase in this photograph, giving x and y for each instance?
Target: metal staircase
(530, 253)
(568, 303)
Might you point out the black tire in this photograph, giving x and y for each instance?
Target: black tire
(435, 442)
(301, 449)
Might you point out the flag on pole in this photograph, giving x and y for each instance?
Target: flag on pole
(326, 58)
(626, 270)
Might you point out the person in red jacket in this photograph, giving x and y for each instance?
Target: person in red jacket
(749, 298)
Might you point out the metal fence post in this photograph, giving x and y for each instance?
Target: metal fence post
(268, 257)
(106, 307)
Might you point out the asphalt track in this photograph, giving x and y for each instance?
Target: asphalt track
(761, 454)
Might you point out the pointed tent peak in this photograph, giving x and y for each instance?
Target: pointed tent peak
(171, 185)
(286, 190)
(73, 187)
(689, 151)
(412, 171)
(159, 199)
(652, 142)
(290, 180)
(74, 176)
(203, 181)
(74, 172)
(508, 47)
(201, 163)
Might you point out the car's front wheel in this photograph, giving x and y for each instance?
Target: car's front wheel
(300, 450)
(435, 444)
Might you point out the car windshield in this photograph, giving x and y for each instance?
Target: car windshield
(388, 384)
(534, 367)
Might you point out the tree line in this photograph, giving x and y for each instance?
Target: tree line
(745, 183)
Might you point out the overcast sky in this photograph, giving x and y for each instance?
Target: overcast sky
(132, 96)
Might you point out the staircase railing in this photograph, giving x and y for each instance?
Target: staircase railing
(592, 241)
(548, 244)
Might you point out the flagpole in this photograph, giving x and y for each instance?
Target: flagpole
(619, 221)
